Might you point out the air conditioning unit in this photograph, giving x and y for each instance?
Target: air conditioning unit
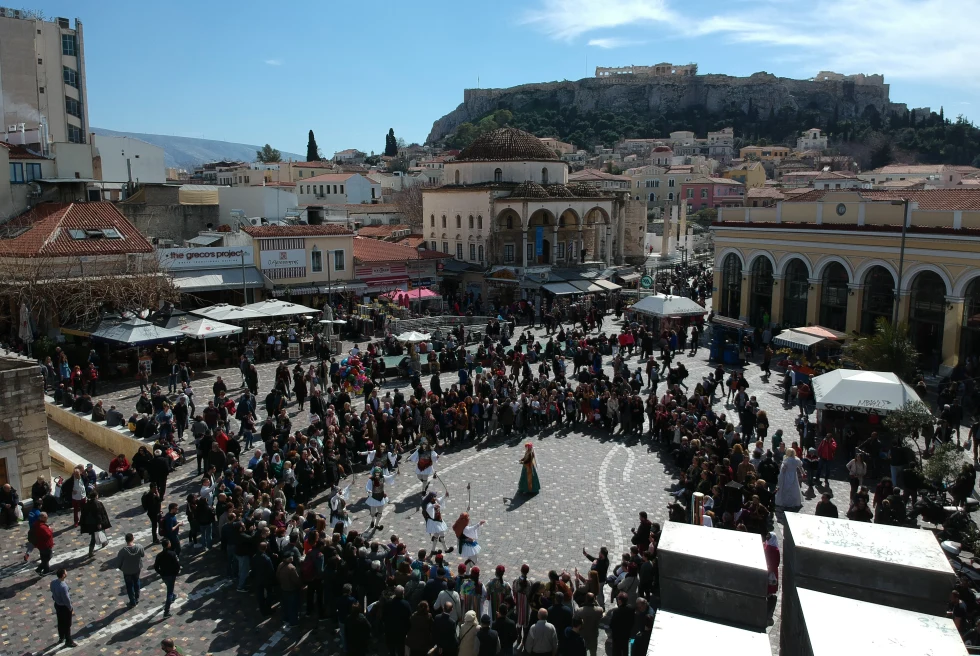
(3, 12)
(17, 13)
(11, 128)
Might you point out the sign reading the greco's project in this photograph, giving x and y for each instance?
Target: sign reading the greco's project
(204, 258)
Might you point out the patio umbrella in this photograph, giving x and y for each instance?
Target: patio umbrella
(276, 308)
(204, 328)
(661, 305)
(135, 332)
(412, 337)
(225, 312)
(872, 392)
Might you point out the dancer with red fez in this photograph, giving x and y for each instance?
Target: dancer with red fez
(377, 498)
(522, 599)
(434, 525)
(499, 590)
(425, 460)
(468, 534)
(529, 483)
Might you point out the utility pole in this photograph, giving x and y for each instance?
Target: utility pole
(901, 258)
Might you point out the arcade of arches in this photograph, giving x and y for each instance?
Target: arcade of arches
(567, 241)
(794, 292)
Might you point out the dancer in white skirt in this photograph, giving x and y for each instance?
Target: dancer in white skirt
(379, 458)
(377, 498)
(338, 509)
(434, 525)
(471, 548)
(425, 460)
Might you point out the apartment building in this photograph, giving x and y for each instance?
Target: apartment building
(42, 79)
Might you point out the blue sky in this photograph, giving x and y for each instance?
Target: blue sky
(258, 72)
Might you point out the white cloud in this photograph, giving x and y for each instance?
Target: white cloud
(274, 62)
(903, 39)
(614, 42)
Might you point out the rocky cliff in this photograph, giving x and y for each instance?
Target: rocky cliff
(646, 94)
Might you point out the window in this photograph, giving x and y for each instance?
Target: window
(704, 193)
(33, 172)
(459, 251)
(341, 188)
(459, 222)
(472, 252)
(73, 107)
(479, 223)
(670, 182)
(432, 244)
(68, 45)
(471, 221)
(432, 221)
(321, 190)
(653, 198)
(443, 220)
(656, 184)
(561, 250)
(670, 196)
(445, 247)
(498, 175)
(457, 177)
(529, 255)
(71, 76)
(544, 176)
(690, 193)
(301, 174)
(508, 252)
(480, 249)
(40, 89)
(339, 263)
(316, 260)
(17, 172)
(510, 223)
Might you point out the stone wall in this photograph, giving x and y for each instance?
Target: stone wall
(23, 424)
(160, 215)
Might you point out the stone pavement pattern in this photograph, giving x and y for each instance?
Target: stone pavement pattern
(593, 486)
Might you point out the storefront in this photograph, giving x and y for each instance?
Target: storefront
(213, 275)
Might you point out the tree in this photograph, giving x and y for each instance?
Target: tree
(312, 152)
(268, 154)
(391, 144)
(888, 349)
(906, 422)
(944, 464)
(409, 202)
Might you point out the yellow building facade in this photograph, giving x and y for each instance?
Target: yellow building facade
(750, 174)
(835, 258)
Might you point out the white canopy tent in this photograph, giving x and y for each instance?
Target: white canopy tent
(661, 305)
(412, 337)
(225, 312)
(276, 308)
(204, 328)
(796, 340)
(870, 392)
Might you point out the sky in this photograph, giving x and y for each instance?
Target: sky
(260, 72)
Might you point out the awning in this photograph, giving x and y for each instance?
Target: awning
(608, 286)
(561, 288)
(585, 286)
(796, 340)
(208, 280)
(282, 291)
(661, 305)
(204, 240)
(871, 392)
(729, 322)
(820, 331)
(629, 277)
(343, 286)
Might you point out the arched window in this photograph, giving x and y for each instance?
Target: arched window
(498, 175)
(479, 222)
(544, 176)
(432, 221)
(879, 298)
(796, 288)
(653, 198)
(459, 221)
(670, 196)
(731, 286)
(443, 220)
(471, 221)
(760, 301)
(480, 252)
(457, 176)
(561, 221)
(510, 223)
(970, 341)
(833, 301)
(927, 312)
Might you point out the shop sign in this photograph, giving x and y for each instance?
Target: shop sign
(287, 259)
(204, 258)
(646, 282)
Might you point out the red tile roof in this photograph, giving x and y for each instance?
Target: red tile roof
(927, 199)
(766, 192)
(367, 250)
(381, 230)
(586, 175)
(267, 231)
(48, 227)
(15, 151)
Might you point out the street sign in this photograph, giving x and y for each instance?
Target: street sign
(646, 282)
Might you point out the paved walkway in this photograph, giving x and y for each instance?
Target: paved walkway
(593, 486)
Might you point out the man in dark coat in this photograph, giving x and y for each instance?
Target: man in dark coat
(397, 619)
(357, 632)
(93, 519)
(264, 575)
(159, 470)
(444, 631)
(621, 625)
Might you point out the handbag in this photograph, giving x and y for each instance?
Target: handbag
(101, 538)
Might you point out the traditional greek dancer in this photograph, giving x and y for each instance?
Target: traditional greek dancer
(376, 495)
(338, 508)
(380, 457)
(468, 534)
(425, 460)
(434, 526)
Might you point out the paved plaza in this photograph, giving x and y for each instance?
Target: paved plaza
(593, 486)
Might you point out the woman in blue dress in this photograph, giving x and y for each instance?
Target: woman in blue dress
(529, 483)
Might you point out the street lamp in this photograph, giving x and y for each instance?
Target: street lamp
(904, 202)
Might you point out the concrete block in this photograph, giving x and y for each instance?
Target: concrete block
(834, 625)
(713, 573)
(674, 633)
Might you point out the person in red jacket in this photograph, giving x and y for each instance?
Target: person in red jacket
(43, 539)
(826, 451)
(119, 469)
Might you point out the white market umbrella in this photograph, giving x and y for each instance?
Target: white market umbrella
(412, 337)
(225, 312)
(135, 332)
(661, 305)
(204, 328)
(277, 308)
(872, 392)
